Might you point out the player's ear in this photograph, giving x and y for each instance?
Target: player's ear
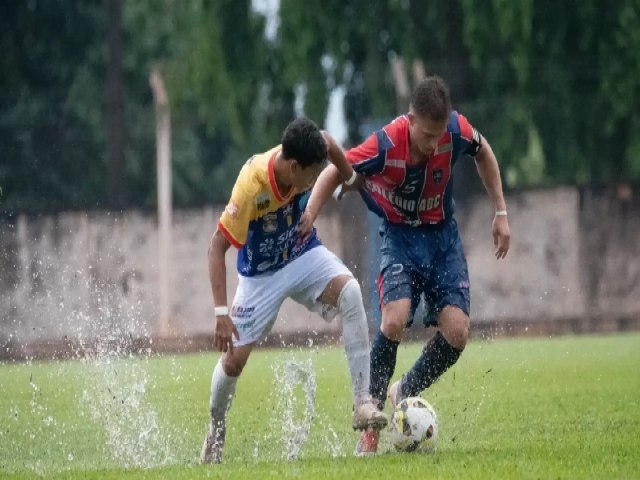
(295, 166)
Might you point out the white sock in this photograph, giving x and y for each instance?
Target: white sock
(355, 333)
(223, 388)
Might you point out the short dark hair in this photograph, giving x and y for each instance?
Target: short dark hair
(431, 99)
(302, 141)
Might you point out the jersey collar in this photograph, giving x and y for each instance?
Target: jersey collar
(272, 181)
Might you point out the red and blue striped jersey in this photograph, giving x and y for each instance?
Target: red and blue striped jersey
(405, 194)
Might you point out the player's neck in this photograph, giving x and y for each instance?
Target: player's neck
(281, 170)
(418, 158)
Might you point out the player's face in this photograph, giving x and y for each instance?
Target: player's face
(425, 132)
(304, 178)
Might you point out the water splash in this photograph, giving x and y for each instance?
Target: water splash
(297, 414)
(116, 399)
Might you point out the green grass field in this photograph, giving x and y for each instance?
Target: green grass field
(546, 408)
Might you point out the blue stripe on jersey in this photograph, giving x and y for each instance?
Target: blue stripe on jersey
(375, 164)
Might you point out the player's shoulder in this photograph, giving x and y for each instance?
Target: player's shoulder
(397, 127)
(394, 132)
(459, 125)
(254, 175)
(454, 122)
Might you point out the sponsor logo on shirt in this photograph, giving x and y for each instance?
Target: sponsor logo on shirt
(263, 201)
(270, 223)
(232, 209)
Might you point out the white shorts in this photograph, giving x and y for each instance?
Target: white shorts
(258, 298)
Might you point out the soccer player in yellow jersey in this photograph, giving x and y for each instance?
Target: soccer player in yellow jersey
(261, 221)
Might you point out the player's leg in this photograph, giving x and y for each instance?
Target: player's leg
(343, 292)
(440, 353)
(450, 300)
(395, 299)
(253, 313)
(223, 388)
(325, 285)
(395, 285)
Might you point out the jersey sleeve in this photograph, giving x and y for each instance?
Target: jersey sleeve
(471, 138)
(239, 212)
(369, 157)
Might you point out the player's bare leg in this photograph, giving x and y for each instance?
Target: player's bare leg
(344, 293)
(223, 387)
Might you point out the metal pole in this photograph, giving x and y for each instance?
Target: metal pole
(163, 158)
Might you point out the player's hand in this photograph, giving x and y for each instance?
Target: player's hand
(501, 236)
(305, 226)
(225, 329)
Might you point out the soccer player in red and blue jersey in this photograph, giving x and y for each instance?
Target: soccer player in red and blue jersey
(406, 169)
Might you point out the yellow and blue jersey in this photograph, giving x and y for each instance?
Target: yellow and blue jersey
(260, 222)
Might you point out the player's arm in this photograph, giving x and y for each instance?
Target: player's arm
(489, 172)
(365, 159)
(325, 185)
(339, 160)
(327, 182)
(218, 247)
(339, 171)
(233, 229)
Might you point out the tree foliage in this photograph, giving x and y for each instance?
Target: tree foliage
(553, 85)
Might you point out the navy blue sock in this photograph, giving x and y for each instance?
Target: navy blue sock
(383, 363)
(437, 356)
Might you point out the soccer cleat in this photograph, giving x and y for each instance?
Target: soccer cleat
(213, 444)
(366, 415)
(368, 443)
(394, 394)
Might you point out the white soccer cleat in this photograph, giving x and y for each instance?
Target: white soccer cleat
(213, 444)
(366, 415)
(394, 394)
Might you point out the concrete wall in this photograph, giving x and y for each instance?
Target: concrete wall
(84, 275)
(541, 275)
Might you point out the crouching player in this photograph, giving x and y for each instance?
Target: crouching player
(261, 221)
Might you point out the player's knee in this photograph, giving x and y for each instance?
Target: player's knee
(455, 328)
(350, 299)
(394, 319)
(233, 365)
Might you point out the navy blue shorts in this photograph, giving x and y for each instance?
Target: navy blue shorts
(424, 262)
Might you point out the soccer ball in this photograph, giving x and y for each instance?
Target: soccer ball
(414, 425)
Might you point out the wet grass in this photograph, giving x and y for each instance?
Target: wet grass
(566, 407)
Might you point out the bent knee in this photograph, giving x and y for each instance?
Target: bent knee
(233, 366)
(395, 316)
(454, 326)
(350, 298)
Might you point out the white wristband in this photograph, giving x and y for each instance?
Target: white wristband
(351, 181)
(501, 213)
(221, 311)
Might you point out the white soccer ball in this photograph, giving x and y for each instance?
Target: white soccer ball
(414, 425)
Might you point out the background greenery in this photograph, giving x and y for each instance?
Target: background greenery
(553, 84)
(544, 408)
